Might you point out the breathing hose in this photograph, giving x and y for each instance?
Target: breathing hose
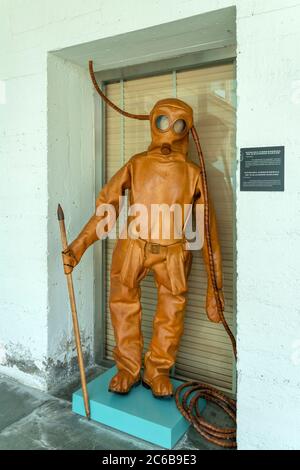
(188, 395)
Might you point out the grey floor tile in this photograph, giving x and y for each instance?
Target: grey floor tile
(30, 419)
(17, 401)
(54, 426)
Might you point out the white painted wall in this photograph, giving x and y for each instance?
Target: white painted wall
(71, 182)
(268, 230)
(32, 328)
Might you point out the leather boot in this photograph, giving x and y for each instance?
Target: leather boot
(167, 331)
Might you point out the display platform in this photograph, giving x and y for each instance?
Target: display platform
(140, 414)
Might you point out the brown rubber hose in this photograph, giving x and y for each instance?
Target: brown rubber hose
(187, 397)
(208, 240)
(141, 117)
(187, 401)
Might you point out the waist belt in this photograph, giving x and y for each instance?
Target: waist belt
(175, 263)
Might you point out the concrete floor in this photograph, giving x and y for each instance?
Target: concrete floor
(30, 419)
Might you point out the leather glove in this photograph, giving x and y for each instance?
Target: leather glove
(69, 260)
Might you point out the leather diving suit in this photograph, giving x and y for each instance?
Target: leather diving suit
(161, 175)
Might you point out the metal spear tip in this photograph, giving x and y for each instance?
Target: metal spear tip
(60, 213)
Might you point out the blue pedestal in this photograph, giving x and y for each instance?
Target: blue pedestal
(138, 413)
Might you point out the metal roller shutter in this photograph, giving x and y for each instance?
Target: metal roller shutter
(205, 352)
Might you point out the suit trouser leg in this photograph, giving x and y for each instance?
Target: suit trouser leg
(125, 310)
(168, 327)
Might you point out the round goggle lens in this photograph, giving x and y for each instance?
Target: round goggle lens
(162, 123)
(179, 126)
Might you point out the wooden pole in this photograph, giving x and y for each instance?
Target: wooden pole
(61, 220)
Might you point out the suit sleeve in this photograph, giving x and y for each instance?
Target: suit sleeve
(110, 194)
(211, 303)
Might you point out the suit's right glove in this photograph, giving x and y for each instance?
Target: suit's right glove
(69, 260)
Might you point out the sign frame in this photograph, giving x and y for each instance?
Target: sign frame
(262, 169)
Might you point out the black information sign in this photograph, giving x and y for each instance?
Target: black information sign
(262, 169)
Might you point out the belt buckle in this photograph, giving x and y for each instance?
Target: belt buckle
(154, 248)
